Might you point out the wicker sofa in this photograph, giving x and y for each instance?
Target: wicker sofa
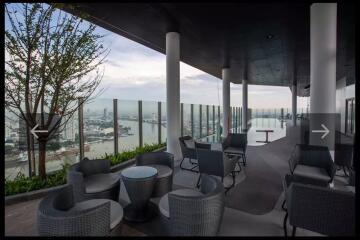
(198, 214)
(92, 179)
(59, 215)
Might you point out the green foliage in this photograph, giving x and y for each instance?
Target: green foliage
(23, 184)
(127, 155)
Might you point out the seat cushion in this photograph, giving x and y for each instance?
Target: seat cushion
(234, 150)
(163, 171)
(116, 211)
(189, 143)
(164, 201)
(311, 172)
(101, 182)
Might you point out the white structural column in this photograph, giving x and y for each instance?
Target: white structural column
(294, 104)
(226, 100)
(323, 20)
(244, 105)
(173, 93)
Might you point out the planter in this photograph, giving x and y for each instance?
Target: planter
(27, 196)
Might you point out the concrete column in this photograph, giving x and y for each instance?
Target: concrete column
(244, 105)
(323, 58)
(173, 93)
(226, 100)
(294, 104)
(323, 21)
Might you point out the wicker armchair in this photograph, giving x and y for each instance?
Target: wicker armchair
(315, 162)
(164, 163)
(189, 153)
(197, 215)
(92, 179)
(59, 215)
(324, 210)
(215, 163)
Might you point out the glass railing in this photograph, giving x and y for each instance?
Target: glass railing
(139, 123)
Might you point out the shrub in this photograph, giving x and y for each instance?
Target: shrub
(23, 184)
(127, 155)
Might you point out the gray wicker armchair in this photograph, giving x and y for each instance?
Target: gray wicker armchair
(59, 215)
(194, 214)
(92, 179)
(188, 152)
(164, 163)
(324, 210)
(315, 162)
(215, 163)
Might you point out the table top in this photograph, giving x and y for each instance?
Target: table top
(266, 130)
(139, 172)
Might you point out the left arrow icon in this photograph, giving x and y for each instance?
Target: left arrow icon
(34, 131)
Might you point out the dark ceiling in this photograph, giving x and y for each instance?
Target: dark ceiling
(272, 38)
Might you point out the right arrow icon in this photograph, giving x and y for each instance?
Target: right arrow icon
(325, 131)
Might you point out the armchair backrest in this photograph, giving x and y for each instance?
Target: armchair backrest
(238, 140)
(55, 216)
(202, 145)
(198, 215)
(320, 209)
(316, 156)
(186, 152)
(96, 166)
(162, 158)
(210, 162)
(343, 154)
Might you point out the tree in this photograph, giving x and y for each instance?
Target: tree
(52, 66)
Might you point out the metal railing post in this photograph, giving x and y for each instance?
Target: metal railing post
(240, 119)
(159, 122)
(207, 121)
(213, 118)
(219, 120)
(116, 126)
(81, 129)
(192, 119)
(182, 118)
(140, 123)
(200, 117)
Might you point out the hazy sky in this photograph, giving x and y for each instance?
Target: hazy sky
(133, 71)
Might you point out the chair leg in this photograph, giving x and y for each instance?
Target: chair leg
(198, 181)
(233, 182)
(283, 205)
(182, 163)
(238, 162)
(293, 231)
(188, 169)
(284, 224)
(346, 175)
(244, 159)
